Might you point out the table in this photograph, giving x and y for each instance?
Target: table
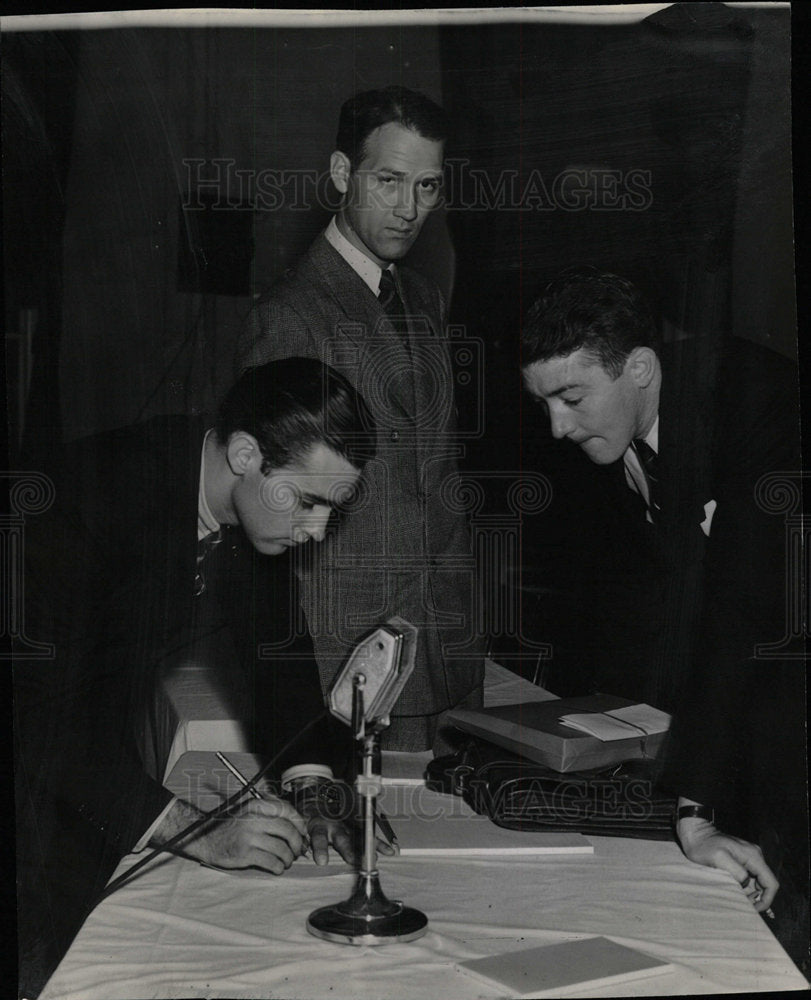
(183, 930)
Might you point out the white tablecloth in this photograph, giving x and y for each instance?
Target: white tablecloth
(182, 930)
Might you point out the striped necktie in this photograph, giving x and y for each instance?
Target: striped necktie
(649, 461)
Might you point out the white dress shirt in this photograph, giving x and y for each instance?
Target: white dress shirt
(366, 269)
(634, 473)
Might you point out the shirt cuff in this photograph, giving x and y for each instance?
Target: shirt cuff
(144, 841)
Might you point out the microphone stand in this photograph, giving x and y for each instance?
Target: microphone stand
(368, 916)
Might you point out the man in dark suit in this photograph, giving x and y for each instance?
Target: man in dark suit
(679, 438)
(406, 550)
(155, 554)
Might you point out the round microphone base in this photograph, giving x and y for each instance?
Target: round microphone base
(367, 917)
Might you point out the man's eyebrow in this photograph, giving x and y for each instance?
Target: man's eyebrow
(565, 388)
(432, 175)
(316, 498)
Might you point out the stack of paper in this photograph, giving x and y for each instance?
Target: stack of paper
(560, 969)
(570, 734)
(619, 723)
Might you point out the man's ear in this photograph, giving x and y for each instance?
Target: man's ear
(642, 363)
(243, 454)
(339, 170)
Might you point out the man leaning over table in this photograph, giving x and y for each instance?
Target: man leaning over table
(155, 554)
(679, 436)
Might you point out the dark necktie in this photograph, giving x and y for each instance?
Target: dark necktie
(388, 295)
(393, 305)
(205, 546)
(649, 461)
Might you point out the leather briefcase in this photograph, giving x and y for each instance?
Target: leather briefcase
(620, 801)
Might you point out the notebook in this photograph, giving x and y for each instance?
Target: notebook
(477, 837)
(431, 824)
(561, 969)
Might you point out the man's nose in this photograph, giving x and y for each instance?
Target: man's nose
(314, 524)
(561, 422)
(406, 207)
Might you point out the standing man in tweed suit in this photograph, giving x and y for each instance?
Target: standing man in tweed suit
(405, 549)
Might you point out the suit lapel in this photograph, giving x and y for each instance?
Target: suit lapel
(686, 432)
(366, 329)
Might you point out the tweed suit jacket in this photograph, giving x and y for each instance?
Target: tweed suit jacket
(404, 547)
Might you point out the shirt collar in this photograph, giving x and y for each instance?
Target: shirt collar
(365, 268)
(634, 473)
(206, 522)
(652, 437)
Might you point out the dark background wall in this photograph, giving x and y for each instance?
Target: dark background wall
(134, 338)
(138, 305)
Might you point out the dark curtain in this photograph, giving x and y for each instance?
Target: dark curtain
(39, 86)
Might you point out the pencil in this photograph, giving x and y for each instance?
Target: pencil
(386, 828)
(238, 775)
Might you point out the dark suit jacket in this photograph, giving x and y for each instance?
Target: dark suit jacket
(110, 574)
(405, 548)
(668, 614)
(730, 417)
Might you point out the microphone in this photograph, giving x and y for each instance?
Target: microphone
(379, 666)
(362, 695)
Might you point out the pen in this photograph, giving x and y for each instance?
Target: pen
(238, 775)
(386, 829)
(245, 783)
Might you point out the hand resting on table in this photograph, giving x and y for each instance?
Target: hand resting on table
(264, 833)
(331, 813)
(704, 844)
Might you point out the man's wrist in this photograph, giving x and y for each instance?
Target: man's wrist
(693, 821)
(181, 815)
(695, 811)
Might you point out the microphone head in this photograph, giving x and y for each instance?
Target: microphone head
(384, 658)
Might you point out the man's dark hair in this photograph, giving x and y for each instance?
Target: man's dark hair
(294, 403)
(584, 309)
(365, 112)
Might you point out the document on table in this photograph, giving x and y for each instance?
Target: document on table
(559, 969)
(477, 836)
(619, 723)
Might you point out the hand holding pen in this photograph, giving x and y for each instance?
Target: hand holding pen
(246, 784)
